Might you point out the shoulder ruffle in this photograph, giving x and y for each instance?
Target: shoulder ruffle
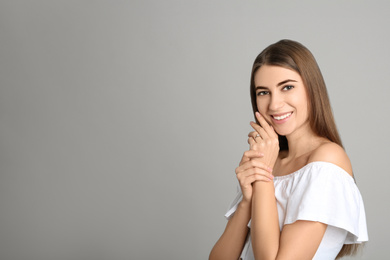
(326, 193)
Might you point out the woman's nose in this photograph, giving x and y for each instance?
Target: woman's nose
(276, 102)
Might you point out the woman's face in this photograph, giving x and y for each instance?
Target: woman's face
(282, 99)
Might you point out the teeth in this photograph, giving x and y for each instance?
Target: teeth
(282, 117)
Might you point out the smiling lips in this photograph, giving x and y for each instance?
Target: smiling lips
(280, 117)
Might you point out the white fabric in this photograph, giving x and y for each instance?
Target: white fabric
(323, 192)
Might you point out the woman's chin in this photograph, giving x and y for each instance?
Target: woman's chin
(282, 132)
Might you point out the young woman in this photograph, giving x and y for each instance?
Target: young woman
(297, 197)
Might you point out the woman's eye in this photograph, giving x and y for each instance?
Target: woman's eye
(288, 87)
(262, 93)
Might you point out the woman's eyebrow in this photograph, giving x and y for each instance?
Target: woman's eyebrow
(285, 81)
(279, 84)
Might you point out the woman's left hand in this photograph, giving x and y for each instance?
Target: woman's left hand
(265, 140)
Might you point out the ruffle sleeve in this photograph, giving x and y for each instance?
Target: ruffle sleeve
(326, 193)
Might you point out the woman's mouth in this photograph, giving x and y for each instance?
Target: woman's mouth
(280, 117)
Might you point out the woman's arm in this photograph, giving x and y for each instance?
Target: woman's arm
(265, 223)
(232, 241)
(230, 244)
(299, 240)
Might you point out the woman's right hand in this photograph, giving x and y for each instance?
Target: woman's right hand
(251, 170)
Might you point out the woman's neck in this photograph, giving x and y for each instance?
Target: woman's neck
(302, 142)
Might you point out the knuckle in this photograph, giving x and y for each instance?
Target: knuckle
(258, 178)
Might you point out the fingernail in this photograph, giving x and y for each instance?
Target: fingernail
(271, 176)
(258, 114)
(269, 169)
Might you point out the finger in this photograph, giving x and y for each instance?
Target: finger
(251, 142)
(253, 164)
(255, 178)
(253, 170)
(265, 125)
(253, 154)
(241, 176)
(250, 154)
(251, 179)
(253, 134)
(248, 181)
(260, 130)
(243, 160)
(252, 139)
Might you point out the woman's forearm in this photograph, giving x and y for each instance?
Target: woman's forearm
(230, 244)
(265, 231)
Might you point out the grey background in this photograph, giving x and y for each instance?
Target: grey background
(121, 122)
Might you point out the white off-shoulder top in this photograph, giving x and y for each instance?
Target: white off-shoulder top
(323, 192)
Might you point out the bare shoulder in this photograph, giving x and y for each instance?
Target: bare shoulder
(333, 153)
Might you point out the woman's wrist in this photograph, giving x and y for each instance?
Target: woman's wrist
(245, 204)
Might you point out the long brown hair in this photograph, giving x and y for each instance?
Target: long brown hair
(293, 55)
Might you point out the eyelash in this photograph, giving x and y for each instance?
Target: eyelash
(262, 93)
(286, 88)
